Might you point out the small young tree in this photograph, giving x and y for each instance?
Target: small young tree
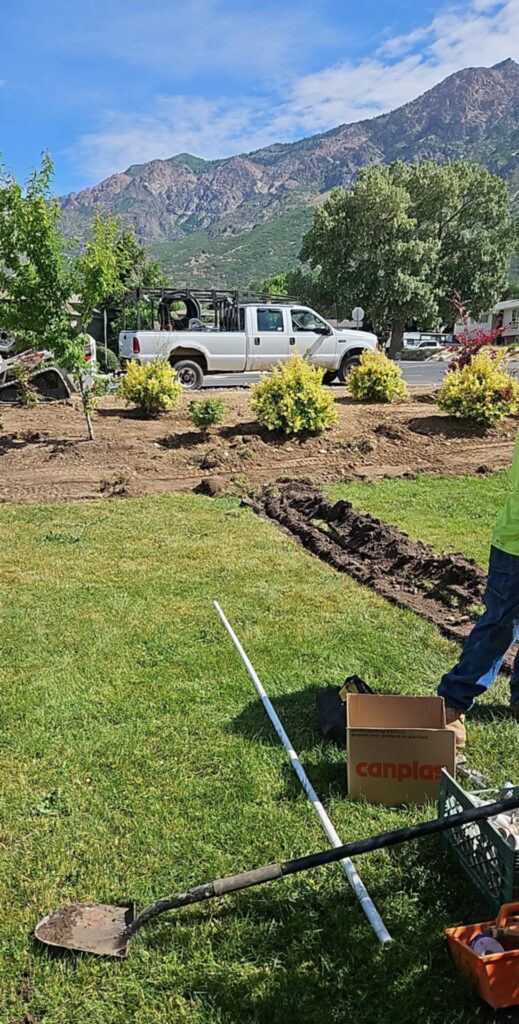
(136, 269)
(206, 412)
(471, 342)
(38, 281)
(97, 273)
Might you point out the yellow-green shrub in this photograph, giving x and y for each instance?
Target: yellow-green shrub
(293, 399)
(480, 392)
(153, 388)
(376, 379)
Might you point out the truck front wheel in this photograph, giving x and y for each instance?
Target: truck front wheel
(346, 366)
(329, 377)
(189, 373)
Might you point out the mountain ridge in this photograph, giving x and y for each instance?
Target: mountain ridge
(474, 114)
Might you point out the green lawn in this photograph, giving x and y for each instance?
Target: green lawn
(453, 514)
(135, 760)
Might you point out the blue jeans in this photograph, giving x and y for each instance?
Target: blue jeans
(490, 639)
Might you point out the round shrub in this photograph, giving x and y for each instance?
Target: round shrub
(376, 379)
(480, 391)
(153, 388)
(108, 363)
(206, 412)
(293, 399)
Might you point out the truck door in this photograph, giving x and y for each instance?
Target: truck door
(269, 342)
(307, 330)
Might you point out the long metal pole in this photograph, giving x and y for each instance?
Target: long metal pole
(347, 865)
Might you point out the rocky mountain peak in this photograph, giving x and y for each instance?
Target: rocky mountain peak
(473, 113)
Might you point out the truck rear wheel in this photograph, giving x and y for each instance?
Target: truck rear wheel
(329, 376)
(346, 366)
(190, 374)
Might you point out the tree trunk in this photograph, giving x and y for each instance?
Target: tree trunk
(397, 338)
(90, 426)
(84, 401)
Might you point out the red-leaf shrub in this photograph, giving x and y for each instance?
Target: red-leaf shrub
(471, 342)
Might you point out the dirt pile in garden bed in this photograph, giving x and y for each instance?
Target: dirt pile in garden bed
(446, 589)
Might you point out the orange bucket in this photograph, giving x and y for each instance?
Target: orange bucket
(496, 976)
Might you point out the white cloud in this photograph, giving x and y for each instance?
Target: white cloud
(457, 38)
(209, 128)
(478, 33)
(398, 45)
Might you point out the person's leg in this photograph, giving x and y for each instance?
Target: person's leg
(514, 688)
(488, 642)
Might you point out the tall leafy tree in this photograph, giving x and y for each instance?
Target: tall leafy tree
(406, 237)
(305, 286)
(35, 279)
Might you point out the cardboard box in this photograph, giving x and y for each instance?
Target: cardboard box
(397, 747)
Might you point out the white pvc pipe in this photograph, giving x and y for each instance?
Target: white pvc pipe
(347, 865)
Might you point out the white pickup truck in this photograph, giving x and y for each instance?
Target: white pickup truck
(263, 336)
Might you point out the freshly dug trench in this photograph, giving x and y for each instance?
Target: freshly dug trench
(446, 589)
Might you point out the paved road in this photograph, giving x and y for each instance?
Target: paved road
(416, 374)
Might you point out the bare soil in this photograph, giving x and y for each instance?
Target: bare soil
(44, 456)
(446, 589)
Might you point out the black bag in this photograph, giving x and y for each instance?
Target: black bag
(331, 708)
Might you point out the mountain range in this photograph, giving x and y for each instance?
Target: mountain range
(224, 222)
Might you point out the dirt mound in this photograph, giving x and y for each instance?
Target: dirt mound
(446, 589)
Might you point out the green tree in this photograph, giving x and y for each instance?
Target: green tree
(35, 279)
(99, 270)
(304, 285)
(407, 236)
(96, 273)
(46, 298)
(137, 267)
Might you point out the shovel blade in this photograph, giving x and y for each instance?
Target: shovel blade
(88, 928)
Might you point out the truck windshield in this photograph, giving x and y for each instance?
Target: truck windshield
(305, 320)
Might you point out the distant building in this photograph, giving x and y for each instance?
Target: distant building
(504, 314)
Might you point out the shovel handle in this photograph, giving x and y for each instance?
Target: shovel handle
(199, 893)
(234, 883)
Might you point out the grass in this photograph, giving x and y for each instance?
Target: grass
(135, 760)
(452, 514)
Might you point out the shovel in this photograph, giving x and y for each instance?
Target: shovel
(107, 930)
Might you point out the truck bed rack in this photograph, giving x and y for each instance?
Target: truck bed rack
(221, 305)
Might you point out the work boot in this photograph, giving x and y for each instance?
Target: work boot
(514, 711)
(456, 721)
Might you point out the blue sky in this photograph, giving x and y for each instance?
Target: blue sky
(105, 83)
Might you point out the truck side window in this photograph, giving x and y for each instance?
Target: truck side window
(270, 320)
(305, 320)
